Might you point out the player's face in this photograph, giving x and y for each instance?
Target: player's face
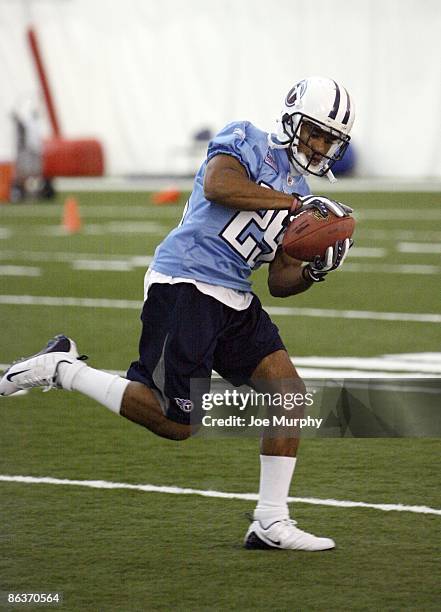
(314, 142)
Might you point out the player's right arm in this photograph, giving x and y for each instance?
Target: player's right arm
(226, 182)
(286, 276)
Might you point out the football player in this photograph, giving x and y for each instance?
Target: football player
(199, 312)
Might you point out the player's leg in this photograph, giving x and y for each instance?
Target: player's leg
(140, 405)
(133, 400)
(277, 373)
(272, 527)
(58, 365)
(178, 337)
(252, 350)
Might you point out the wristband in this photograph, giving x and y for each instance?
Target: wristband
(296, 203)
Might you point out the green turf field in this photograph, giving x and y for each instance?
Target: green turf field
(117, 549)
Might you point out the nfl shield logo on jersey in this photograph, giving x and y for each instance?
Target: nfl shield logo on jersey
(184, 404)
(269, 159)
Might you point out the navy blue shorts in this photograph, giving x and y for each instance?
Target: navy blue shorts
(186, 334)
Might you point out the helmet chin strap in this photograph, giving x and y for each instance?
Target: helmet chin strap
(331, 176)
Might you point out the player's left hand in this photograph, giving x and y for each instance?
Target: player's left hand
(321, 203)
(333, 259)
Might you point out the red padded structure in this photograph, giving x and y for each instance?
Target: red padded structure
(63, 157)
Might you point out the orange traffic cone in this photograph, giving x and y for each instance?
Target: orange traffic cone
(167, 196)
(71, 216)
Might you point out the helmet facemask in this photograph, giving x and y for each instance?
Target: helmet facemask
(310, 160)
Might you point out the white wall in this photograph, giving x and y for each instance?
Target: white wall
(144, 75)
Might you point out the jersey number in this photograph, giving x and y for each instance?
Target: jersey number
(244, 234)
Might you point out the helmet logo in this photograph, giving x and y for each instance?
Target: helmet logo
(296, 93)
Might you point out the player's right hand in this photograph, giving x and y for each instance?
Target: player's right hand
(321, 203)
(333, 259)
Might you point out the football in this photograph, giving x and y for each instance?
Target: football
(310, 234)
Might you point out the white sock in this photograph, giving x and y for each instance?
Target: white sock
(275, 478)
(107, 389)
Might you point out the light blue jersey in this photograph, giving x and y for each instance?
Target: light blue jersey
(222, 246)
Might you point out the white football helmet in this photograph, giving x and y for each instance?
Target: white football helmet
(327, 107)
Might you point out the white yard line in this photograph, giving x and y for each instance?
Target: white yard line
(38, 300)
(332, 374)
(392, 234)
(112, 227)
(144, 260)
(369, 252)
(19, 271)
(398, 214)
(432, 248)
(66, 257)
(113, 265)
(147, 488)
(5, 233)
(376, 268)
(353, 314)
(383, 363)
